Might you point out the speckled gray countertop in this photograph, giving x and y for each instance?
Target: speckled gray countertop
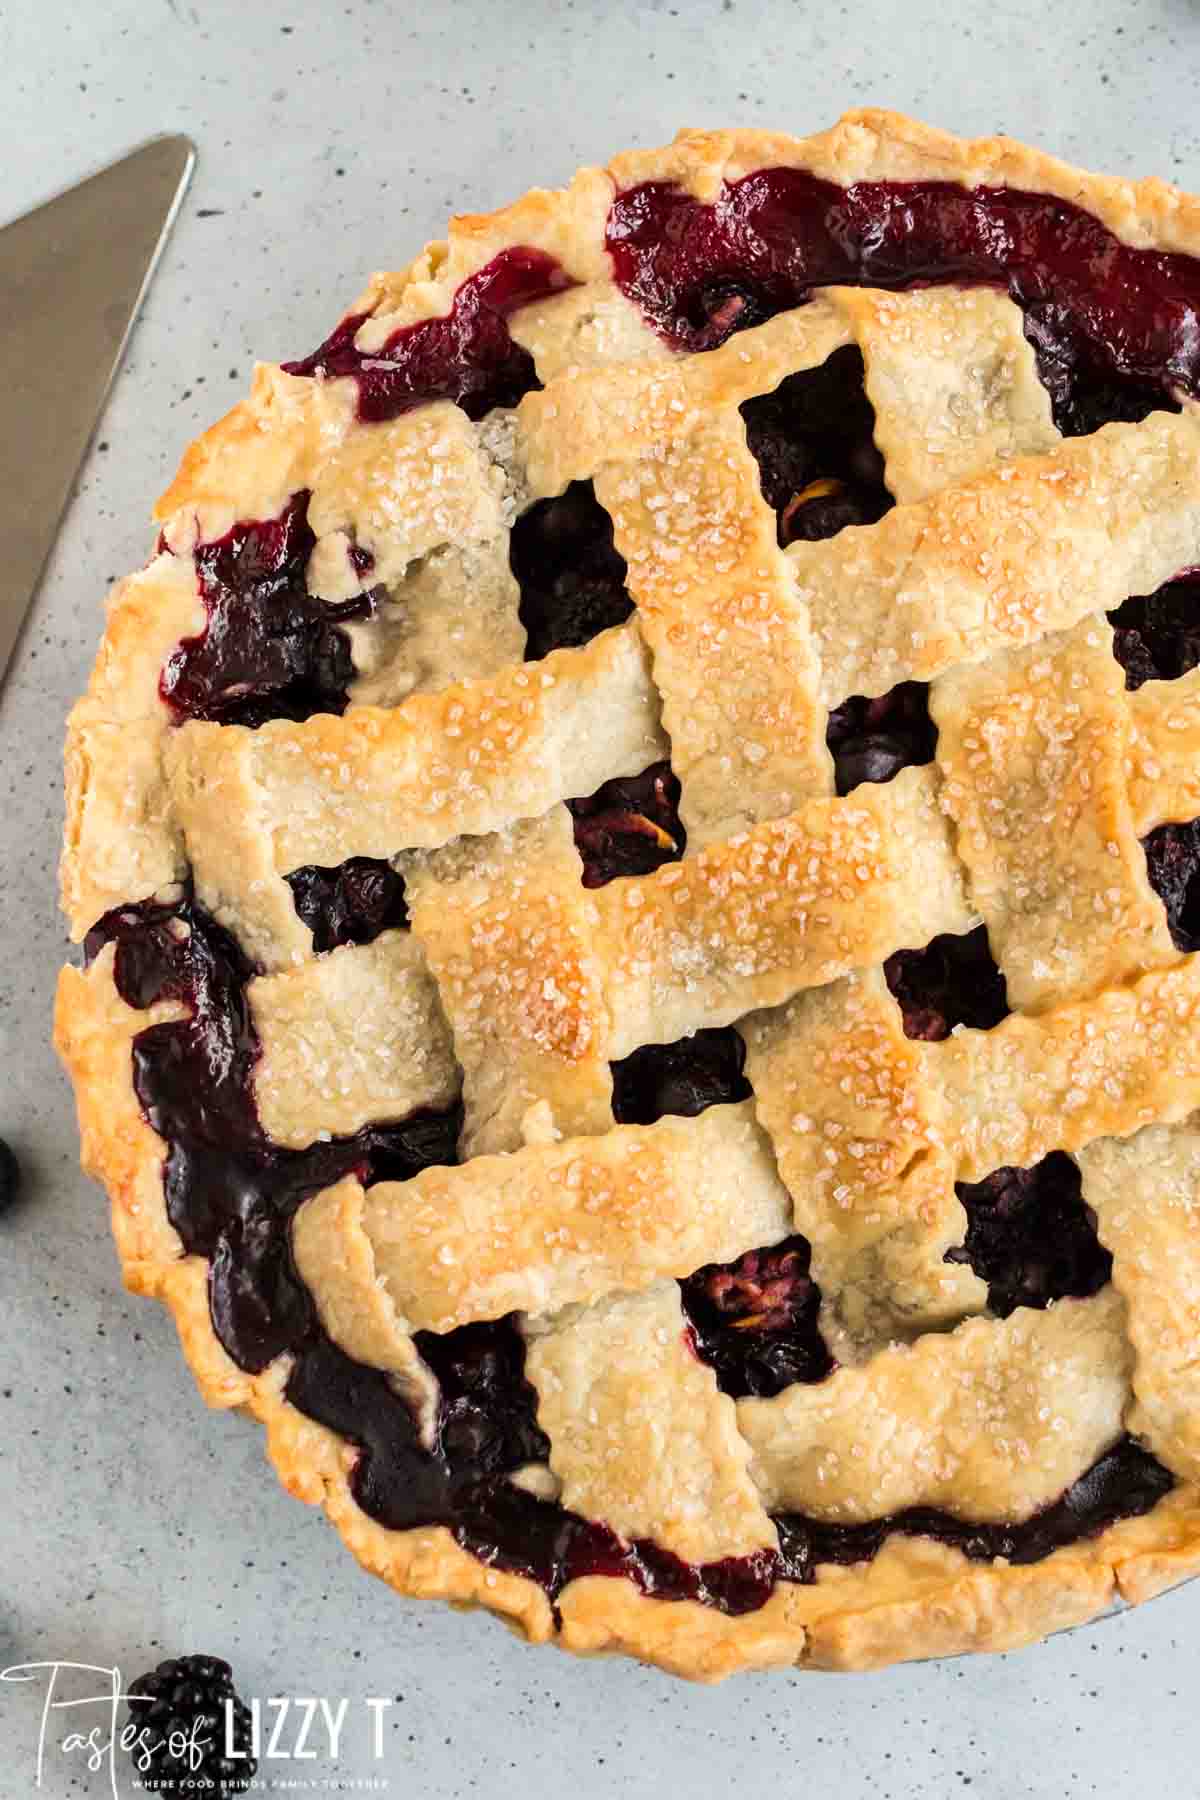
(335, 138)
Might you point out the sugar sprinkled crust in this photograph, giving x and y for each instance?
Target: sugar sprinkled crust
(493, 917)
(348, 1038)
(851, 1111)
(942, 582)
(639, 1435)
(992, 1421)
(557, 1223)
(737, 650)
(1032, 745)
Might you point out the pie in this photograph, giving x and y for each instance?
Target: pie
(636, 851)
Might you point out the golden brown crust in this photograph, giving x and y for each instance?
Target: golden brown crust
(554, 1224)
(916, 1599)
(123, 843)
(349, 1038)
(491, 916)
(875, 144)
(1037, 787)
(833, 885)
(850, 1110)
(953, 382)
(639, 1434)
(1027, 549)
(1164, 752)
(93, 1034)
(1098, 1068)
(1144, 1192)
(990, 1421)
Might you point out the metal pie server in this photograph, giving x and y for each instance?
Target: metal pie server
(72, 276)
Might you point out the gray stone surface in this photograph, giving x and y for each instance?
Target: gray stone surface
(134, 1524)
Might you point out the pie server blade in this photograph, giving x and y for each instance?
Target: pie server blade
(72, 276)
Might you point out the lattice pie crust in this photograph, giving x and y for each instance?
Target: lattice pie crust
(516, 985)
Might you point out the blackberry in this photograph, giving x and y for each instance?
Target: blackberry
(179, 1708)
(813, 440)
(10, 1175)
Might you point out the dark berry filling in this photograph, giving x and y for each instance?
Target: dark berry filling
(952, 981)
(402, 1485)
(467, 356)
(230, 1192)
(755, 1320)
(1173, 865)
(813, 440)
(269, 648)
(706, 1069)
(570, 573)
(722, 304)
(350, 904)
(1087, 386)
(486, 1423)
(1156, 637)
(1123, 1484)
(872, 740)
(486, 1430)
(231, 1195)
(630, 826)
(1114, 328)
(1031, 1236)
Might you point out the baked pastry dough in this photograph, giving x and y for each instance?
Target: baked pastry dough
(542, 1025)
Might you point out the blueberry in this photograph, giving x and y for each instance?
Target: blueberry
(10, 1175)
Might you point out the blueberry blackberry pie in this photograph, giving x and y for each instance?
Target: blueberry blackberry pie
(636, 850)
